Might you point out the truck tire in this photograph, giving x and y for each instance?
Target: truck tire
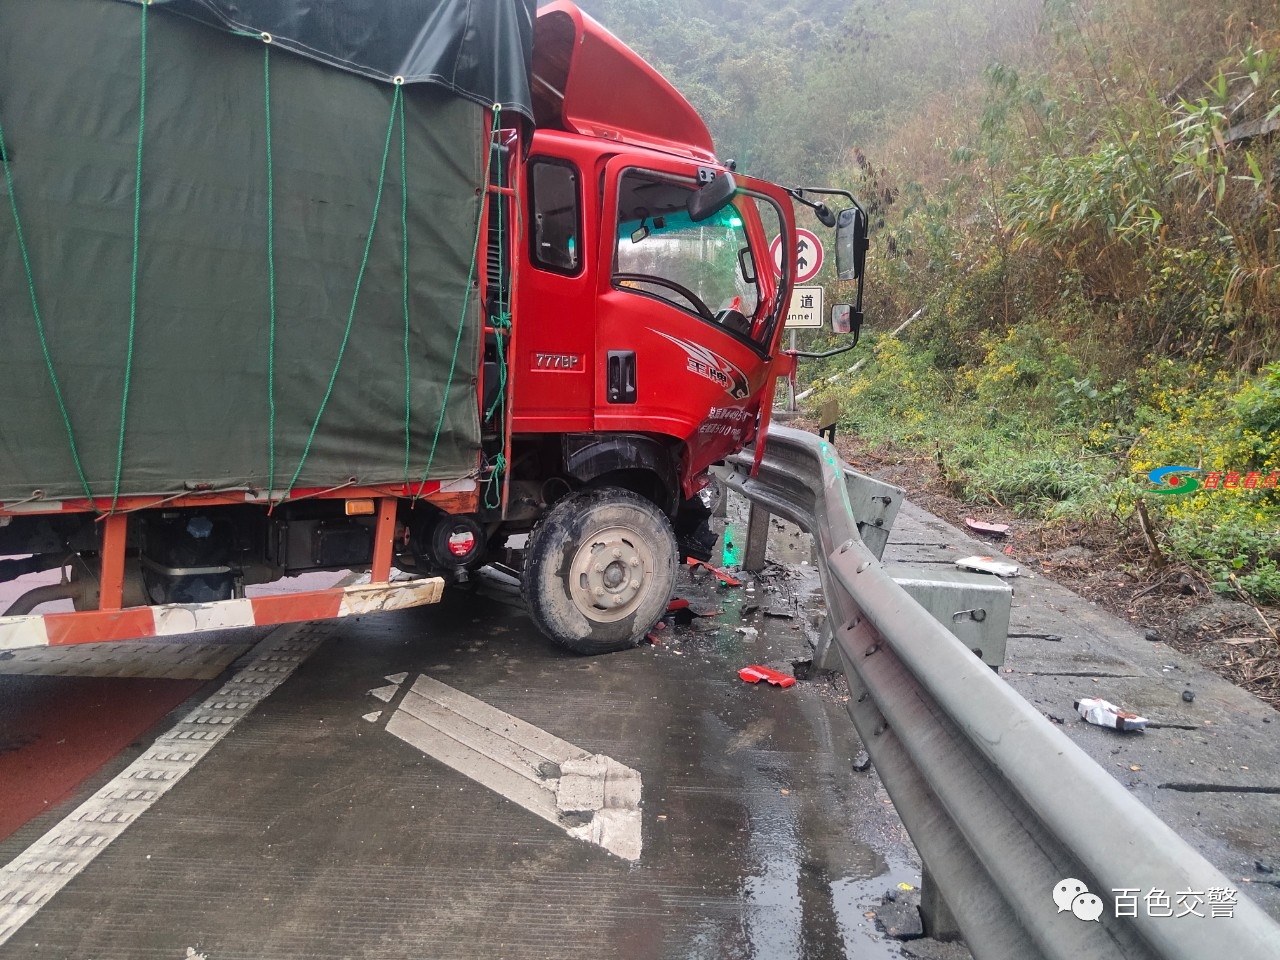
(599, 570)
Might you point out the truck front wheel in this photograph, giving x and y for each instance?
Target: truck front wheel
(599, 570)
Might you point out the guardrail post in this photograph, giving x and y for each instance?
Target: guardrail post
(826, 656)
(939, 922)
(757, 539)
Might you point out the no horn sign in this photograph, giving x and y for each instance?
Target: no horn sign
(809, 255)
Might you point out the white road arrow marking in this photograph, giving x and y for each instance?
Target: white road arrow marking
(591, 797)
(385, 694)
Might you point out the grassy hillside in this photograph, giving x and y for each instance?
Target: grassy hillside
(1093, 238)
(1081, 199)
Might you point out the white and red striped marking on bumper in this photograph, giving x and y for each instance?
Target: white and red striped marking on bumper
(93, 626)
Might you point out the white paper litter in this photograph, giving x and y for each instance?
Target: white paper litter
(989, 565)
(1103, 714)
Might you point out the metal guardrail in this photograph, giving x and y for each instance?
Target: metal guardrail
(1001, 805)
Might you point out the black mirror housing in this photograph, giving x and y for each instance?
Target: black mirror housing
(712, 197)
(852, 231)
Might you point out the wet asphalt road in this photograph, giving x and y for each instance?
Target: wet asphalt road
(311, 832)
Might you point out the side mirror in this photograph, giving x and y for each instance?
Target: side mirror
(852, 229)
(845, 319)
(712, 197)
(841, 315)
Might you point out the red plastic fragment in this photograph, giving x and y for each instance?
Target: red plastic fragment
(755, 674)
(995, 529)
(677, 604)
(719, 574)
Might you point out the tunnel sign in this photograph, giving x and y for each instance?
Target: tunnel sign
(808, 255)
(806, 307)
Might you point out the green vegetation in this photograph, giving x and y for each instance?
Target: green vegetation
(1080, 195)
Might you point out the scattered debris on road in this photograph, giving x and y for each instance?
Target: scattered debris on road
(899, 915)
(993, 529)
(723, 577)
(1103, 714)
(989, 565)
(754, 674)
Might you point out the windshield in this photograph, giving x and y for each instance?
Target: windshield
(705, 268)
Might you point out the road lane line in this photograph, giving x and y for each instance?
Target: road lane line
(32, 878)
(591, 797)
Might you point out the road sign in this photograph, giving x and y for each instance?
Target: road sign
(806, 307)
(809, 255)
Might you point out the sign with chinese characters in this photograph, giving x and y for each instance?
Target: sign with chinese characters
(806, 307)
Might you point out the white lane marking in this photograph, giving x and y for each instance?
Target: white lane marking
(373, 717)
(32, 878)
(397, 678)
(186, 659)
(591, 797)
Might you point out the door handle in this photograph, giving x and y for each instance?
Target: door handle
(621, 377)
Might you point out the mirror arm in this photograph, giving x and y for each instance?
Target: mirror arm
(824, 213)
(804, 355)
(798, 193)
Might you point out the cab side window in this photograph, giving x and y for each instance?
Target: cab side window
(704, 268)
(556, 209)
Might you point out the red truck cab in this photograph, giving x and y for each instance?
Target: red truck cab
(633, 319)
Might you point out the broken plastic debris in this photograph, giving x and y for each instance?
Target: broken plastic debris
(723, 577)
(1103, 714)
(995, 529)
(755, 674)
(679, 603)
(989, 565)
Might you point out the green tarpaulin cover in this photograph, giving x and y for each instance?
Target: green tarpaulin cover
(199, 409)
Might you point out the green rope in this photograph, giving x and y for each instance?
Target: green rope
(404, 233)
(271, 277)
(35, 310)
(364, 262)
(493, 486)
(466, 298)
(133, 279)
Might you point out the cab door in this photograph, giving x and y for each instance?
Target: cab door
(688, 313)
(555, 297)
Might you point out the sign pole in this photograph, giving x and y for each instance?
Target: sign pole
(791, 380)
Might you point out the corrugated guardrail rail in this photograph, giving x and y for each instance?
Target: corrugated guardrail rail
(1001, 805)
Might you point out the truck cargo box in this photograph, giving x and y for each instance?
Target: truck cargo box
(225, 390)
